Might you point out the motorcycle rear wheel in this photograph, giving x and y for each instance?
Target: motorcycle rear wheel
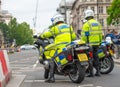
(78, 75)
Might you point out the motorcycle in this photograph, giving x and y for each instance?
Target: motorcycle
(76, 56)
(106, 55)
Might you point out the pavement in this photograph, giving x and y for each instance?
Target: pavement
(117, 61)
(16, 81)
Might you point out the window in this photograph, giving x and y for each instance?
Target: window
(92, 8)
(99, 0)
(82, 9)
(107, 8)
(108, 0)
(100, 9)
(101, 22)
(84, 0)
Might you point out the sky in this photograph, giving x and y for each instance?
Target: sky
(25, 10)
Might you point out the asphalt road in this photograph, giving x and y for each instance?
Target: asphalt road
(26, 63)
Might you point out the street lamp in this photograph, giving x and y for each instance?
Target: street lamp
(97, 10)
(65, 11)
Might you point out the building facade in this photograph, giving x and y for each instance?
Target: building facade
(98, 6)
(5, 16)
(65, 9)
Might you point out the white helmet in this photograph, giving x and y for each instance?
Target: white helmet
(57, 18)
(89, 13)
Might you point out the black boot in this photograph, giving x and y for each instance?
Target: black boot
(51, 79)
(90, 71)
(97, 72)
(91, 74)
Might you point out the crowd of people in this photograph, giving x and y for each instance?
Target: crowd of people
(115, 37)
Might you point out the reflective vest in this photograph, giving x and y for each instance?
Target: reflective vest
(95, 32)
(61, 32)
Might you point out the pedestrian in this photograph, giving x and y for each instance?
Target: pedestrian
(62, 33)
(117, 44)
(94, 29)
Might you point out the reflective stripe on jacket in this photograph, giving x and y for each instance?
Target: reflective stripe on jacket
(61, 32)
(95, 32)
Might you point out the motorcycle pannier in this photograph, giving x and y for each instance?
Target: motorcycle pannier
(64, 56)
(101, 51)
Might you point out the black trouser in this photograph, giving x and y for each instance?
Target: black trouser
(52, 69)
(96, 62)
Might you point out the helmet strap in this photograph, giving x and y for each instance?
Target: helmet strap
(88, 18)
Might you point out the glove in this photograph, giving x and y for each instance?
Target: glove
(40, 38)
(41, 61)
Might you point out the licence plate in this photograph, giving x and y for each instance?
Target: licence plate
(111, 52)
(82, 57)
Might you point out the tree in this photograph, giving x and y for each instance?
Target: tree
(4, 29)
(114, 13)
(13, 25)
(21, 33)
(24, 34)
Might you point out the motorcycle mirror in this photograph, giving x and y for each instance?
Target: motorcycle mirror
(34, 36)
(52, 19)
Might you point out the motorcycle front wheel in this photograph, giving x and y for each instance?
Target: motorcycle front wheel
(79, 73)
(107, 65)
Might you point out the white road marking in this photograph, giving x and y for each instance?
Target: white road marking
(44, 80)
(86, 85)
(35, 65)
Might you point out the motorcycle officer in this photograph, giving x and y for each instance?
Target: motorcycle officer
(94, 29)
(61, 32)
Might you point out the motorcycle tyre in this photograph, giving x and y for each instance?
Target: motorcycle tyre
(111, 67)
(81, 74)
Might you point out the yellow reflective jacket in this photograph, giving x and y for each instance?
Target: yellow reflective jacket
(95, 32)
(61, 32)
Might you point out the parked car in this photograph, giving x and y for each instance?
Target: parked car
(27, 47)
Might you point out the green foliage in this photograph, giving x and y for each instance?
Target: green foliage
(114, 13)
(20, 32)
(4, 29)
(24, 34)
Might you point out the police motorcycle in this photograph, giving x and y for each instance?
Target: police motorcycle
(105, 54)
(72, 61)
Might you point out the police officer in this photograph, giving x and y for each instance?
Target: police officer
(94, 29)
(62, 33)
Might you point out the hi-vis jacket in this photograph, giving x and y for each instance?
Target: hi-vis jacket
(61, 32)
(95, 32)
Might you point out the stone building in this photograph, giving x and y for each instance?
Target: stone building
(76, 10)
(65, 9)
(98, 6)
